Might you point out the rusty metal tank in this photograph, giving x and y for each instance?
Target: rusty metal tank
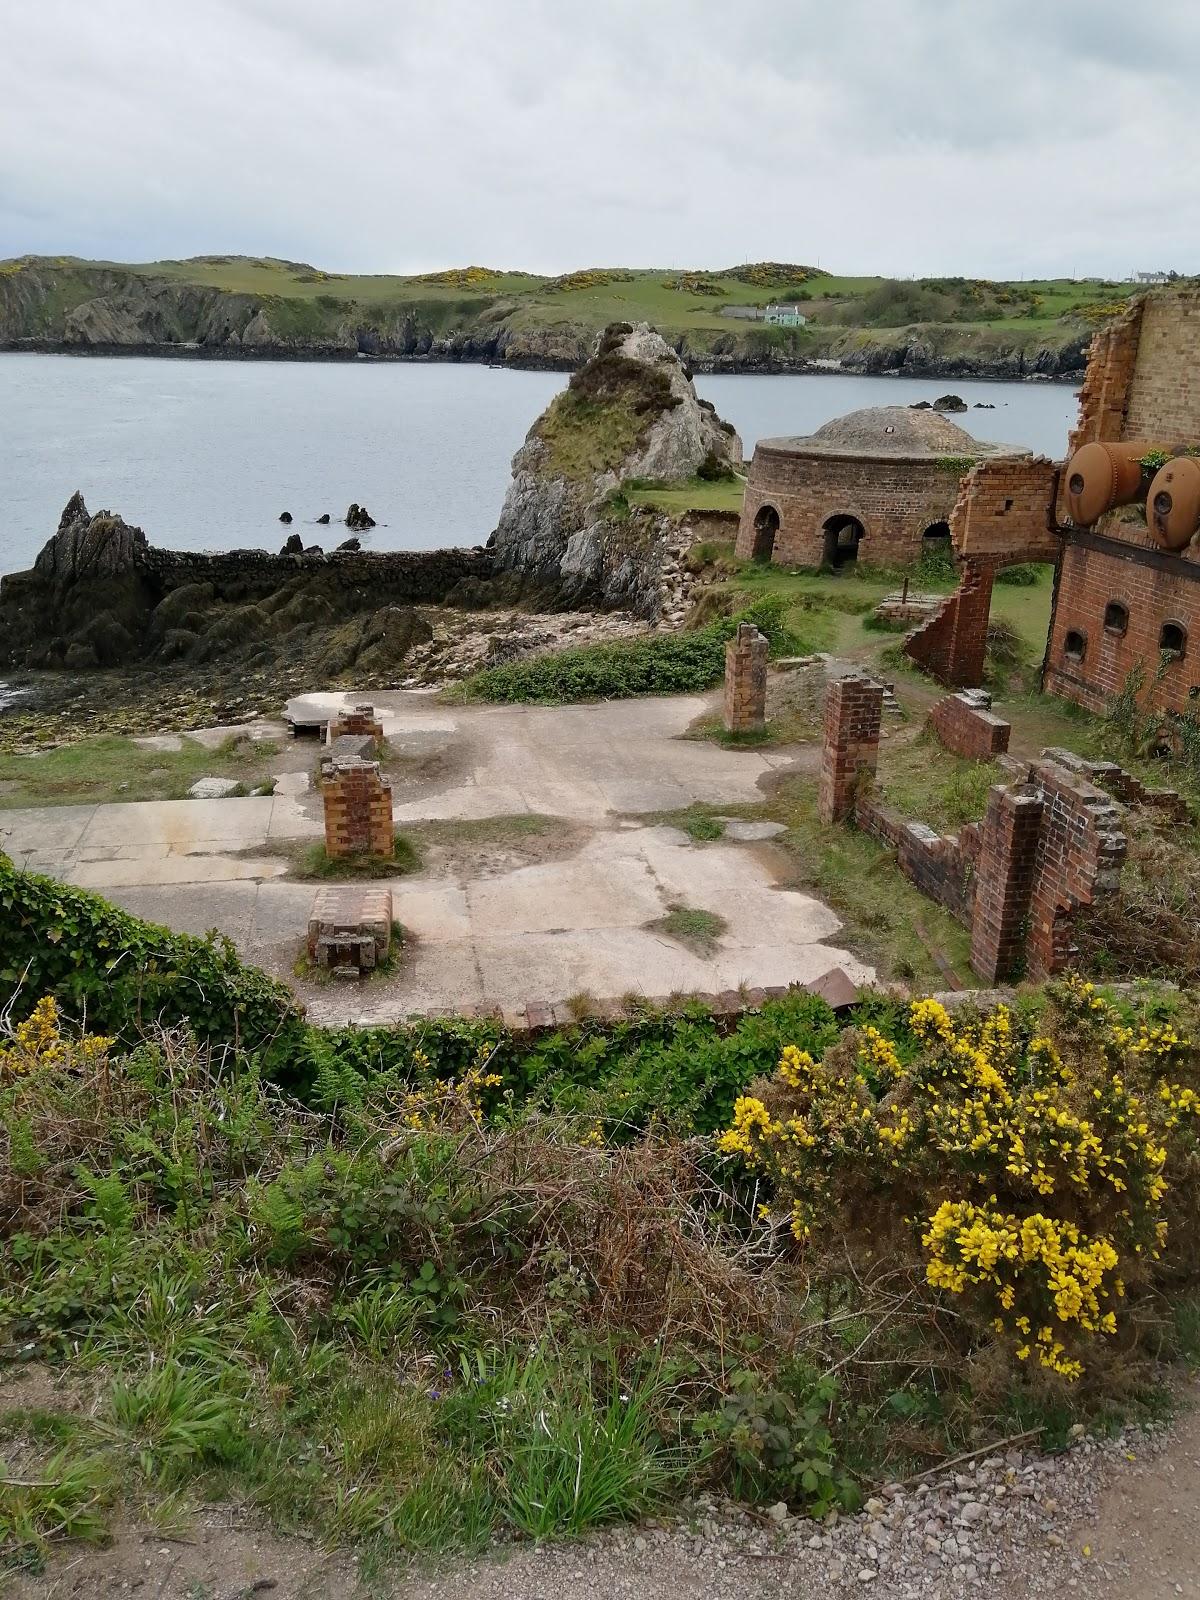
(1102, 476)
(1173, 503)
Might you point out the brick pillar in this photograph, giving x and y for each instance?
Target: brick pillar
(359, 720)
(358, 810)
(853, 713)
(746, 680)
(1079, 859)
(968, 640)
(1004, 882)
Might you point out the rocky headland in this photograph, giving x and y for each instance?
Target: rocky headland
(630, 414)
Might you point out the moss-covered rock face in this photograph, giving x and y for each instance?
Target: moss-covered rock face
(630, 412)
(100, 595)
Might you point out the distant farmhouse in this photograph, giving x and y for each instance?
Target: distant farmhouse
(785, 316)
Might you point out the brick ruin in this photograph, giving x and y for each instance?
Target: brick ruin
(877, 486)
(358, 809)
(350, 928)
(358, 721)
(1050, 843)
(1127, 570)
(966, 724)
(746, 680)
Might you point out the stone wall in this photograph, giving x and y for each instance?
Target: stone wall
(894, 499)
(407, 575)
(966, 725)
(358, 810)
(746, 680)
(853, 713)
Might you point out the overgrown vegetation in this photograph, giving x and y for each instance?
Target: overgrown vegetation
(661, 663)
(111, 768)
(314, 861)
(415, 1316)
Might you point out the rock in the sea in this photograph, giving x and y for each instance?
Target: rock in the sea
(629, 412)
(950, 402)
(293, 546)
(285, 516)
(213, 788)
(102, 546)
(323, 519)
(353, 543)
(359, 517)
(920, 405)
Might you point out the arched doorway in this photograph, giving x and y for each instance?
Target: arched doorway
(936, 536)
(843, 534)
(766, 526)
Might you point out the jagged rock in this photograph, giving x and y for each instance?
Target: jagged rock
(293, 546)
(629, 412)
(86, 546)
(950, 402)
(313, 550)
(285, 516)
(359, 517)
(323, 519)
(350, 544)
(920, 405)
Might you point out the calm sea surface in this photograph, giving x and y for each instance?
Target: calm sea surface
(204, 455)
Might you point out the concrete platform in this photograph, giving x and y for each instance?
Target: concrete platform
(546, 931)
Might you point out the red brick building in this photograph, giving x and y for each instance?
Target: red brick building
(872, 486)
(1127, 583)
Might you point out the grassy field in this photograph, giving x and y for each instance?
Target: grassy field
(105, 769)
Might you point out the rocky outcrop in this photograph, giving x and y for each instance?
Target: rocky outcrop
(631, 412)
(100, 595)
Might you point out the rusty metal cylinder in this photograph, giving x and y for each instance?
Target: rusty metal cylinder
(1102, 476)
(1173, 503)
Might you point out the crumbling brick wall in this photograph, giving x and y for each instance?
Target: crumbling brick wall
(358, 810)
(853, 714)
(1104, 395)
(1164, 391)
(942, 866)
(1004, 884)
(1080, 851)
(967, 726)
(746, 680)
(1004, 512)
(952, 645)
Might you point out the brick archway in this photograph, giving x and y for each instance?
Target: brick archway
(766, 526)
(841, 536)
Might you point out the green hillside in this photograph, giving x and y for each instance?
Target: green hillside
(267, 305)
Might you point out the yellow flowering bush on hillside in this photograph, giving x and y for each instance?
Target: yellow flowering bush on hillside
(39, 1042)
(1041, 1169)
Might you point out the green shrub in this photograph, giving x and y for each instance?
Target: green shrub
(1022, 576)
(667, 663)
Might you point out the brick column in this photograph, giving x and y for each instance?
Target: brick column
(1079, 859)
(853, 713)
(358, 810)
(1004, 882)
(746, 680)
(359, 720)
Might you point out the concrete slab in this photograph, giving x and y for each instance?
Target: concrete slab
(181, 823)
(467, 803)
(436, 913)
(47, 830)
(195, 908)
(172, 869)
(603, 890)
(743, 832)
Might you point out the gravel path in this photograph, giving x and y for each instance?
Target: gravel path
(1107, 1520)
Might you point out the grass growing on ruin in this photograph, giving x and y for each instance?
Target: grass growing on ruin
(102, 770)
(696, 929)
(924, 782)
(314, 861)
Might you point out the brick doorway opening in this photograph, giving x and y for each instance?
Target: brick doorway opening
(766, 526)
(936, 536)
(843, 534)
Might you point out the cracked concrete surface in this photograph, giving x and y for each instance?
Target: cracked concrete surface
(538, 932)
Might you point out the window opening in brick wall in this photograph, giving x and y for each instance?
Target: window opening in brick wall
(1173, 639)
(1075, 645)
(842, 536)
(937, 533)
(766, 526)
(1116, 617)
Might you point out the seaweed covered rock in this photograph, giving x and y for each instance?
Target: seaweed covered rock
(631, 412)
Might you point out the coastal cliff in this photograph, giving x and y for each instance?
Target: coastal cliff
(233, 308)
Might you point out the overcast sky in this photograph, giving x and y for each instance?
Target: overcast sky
(992, 137)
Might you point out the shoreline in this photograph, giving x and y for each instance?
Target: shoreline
(941, 371)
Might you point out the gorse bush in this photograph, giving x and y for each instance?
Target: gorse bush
(666, 663)
(1045, 1176)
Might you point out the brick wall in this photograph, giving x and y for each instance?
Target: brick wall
(746, 680)
(1123, 565)
(1104, 396)
(1006, 870)
(894, 499)
(1164, 394)
(1122, 785)
(951, 646)
(966, 725)
(358, 810)
(1003, 512)
(1080, 850)
(853, 713)
(941, 865)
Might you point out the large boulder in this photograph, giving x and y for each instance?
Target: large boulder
(88, 547)
(631, 412)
